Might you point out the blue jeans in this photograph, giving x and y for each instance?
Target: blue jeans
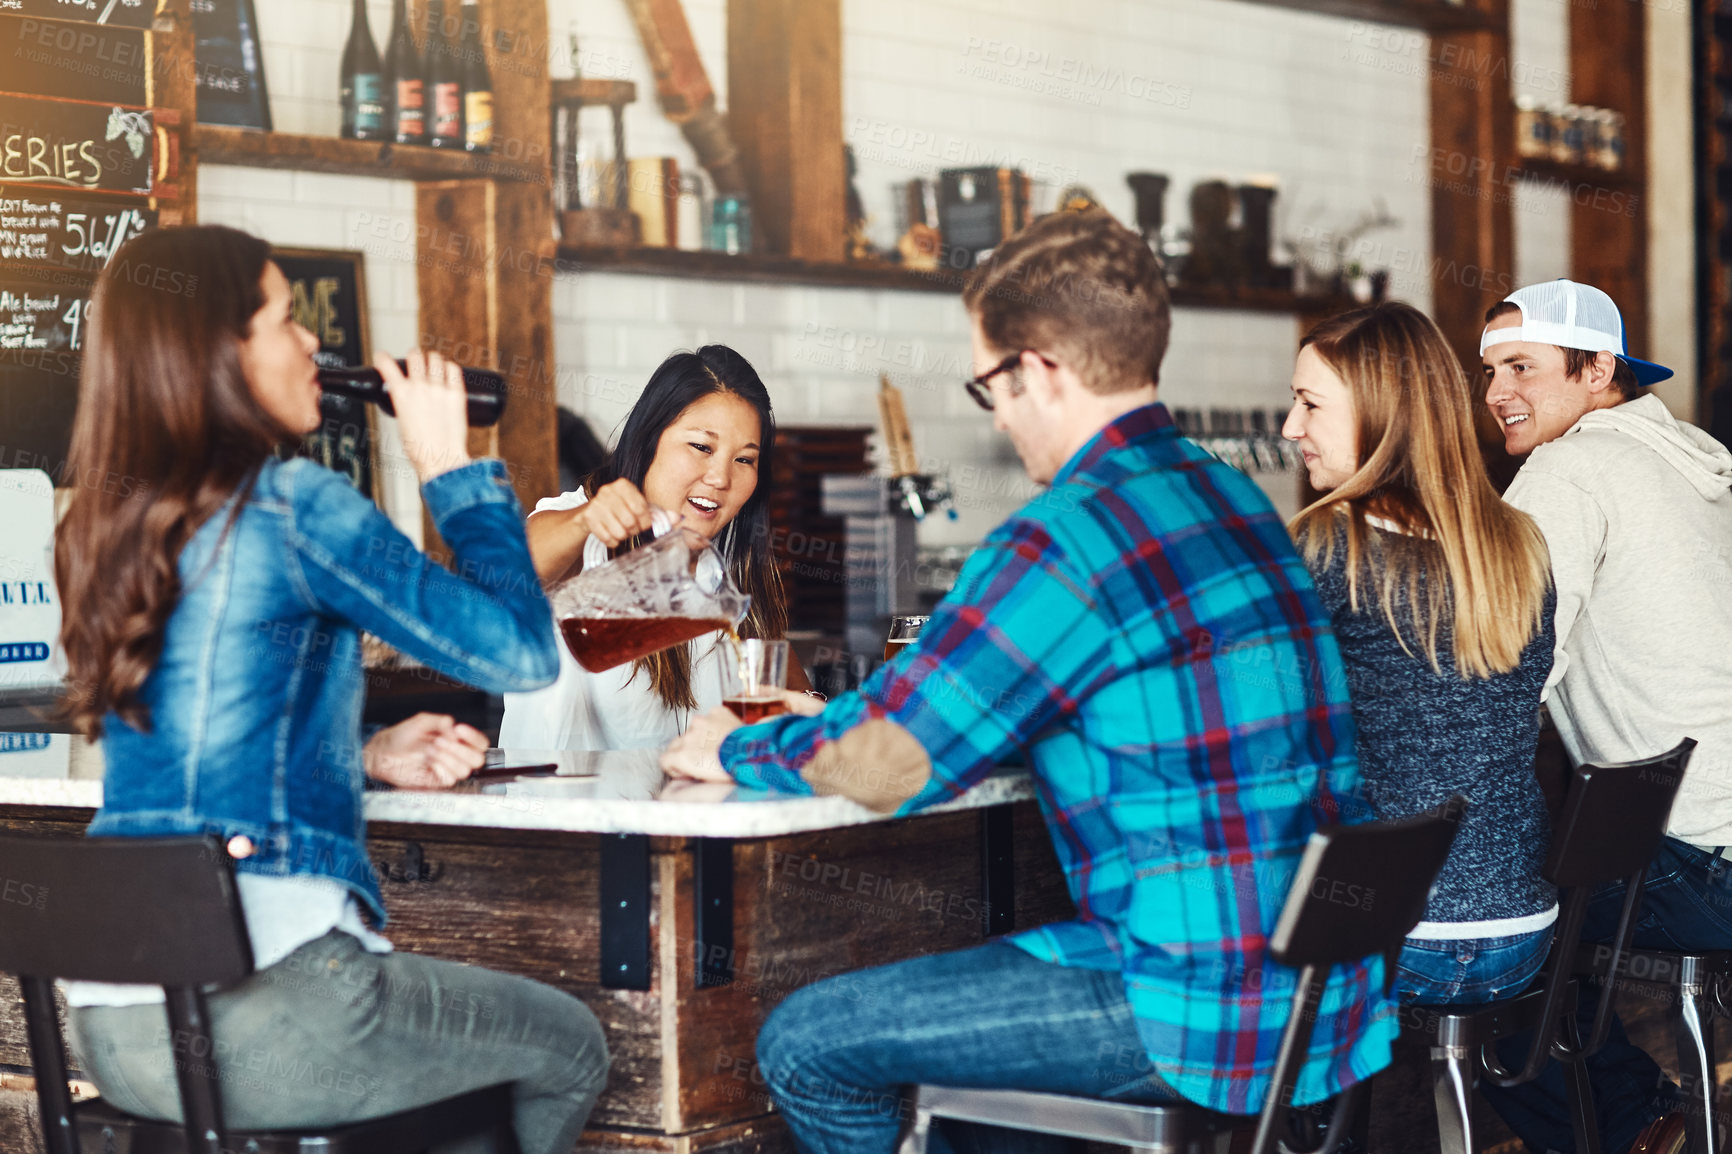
(835, 1054)
(1467, 971)
(333, 1035)
(1686, 905)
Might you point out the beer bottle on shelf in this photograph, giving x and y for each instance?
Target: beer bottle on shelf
(486, 390)
(477, 84)
(363, 81)
(406, 76)
(444, 82)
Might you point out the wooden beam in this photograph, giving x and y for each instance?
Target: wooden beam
(484, 256)
(1471, 168)
(1472, 173)
(785, 109)
(171, 82)
(1609, 222)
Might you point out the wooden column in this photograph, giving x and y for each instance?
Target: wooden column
(484, 254)
(482, 278)
(170, 83)
(785, 109)
(1471, 170)
(1609, 222)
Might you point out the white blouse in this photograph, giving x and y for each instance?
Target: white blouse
(607, 710)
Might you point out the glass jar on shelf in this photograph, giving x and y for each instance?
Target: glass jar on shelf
(731, 224)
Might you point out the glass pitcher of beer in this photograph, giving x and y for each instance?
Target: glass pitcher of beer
(658, 595)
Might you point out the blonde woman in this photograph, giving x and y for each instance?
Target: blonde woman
(1440, 597)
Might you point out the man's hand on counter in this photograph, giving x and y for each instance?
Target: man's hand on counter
(428, 751)
(696, 753)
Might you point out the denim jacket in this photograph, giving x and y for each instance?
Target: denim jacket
(255, 701)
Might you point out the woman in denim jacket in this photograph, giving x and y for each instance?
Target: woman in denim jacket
(213, 602)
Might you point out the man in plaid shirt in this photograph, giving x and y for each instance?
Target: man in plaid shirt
(1144, 636)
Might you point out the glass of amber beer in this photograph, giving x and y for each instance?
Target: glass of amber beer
(754, 673)
(903, 631)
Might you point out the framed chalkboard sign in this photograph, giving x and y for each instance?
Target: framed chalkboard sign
(47, 236)
(329, 289)
(41, 334)
(74, 61)
(77, 144)
(231, 69)
(120, 13)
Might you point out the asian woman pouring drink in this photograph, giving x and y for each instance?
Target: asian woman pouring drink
(699, 444)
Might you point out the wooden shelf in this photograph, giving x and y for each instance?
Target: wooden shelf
(221, 144)
(761, 269)
(1534, 168)
(1431, 17)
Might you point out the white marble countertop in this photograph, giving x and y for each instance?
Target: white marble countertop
(617, 792)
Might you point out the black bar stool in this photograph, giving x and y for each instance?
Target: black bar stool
(1611, 825)
(1700, 981)
(165, 912)
(1398, 860)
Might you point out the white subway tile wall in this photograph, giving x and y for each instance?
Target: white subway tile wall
(1335, 110)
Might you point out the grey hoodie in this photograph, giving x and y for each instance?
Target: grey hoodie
(1636, 508)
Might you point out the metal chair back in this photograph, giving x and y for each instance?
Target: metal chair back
(161, 912)
(1611, 825)
(1358, 890)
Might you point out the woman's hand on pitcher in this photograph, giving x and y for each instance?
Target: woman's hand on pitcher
(432, 411)
(618, 512)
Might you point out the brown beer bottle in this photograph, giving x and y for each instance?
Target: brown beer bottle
(405, 79)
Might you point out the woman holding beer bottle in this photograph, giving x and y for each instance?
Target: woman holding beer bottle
(212, 618)
(698, 444)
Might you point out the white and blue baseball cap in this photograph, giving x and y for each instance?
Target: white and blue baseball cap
(1572, 316)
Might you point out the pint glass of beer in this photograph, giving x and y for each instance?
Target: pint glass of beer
(754, 673)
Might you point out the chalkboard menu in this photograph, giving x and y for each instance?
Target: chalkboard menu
(46, 232)
(329, 290)
(76, 144)
(51, 247)
(73, 61)
(80, 159)
(41, 331)
(231, 69)
(126, 13)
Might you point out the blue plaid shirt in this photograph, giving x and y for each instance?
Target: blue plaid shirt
(1145, 636)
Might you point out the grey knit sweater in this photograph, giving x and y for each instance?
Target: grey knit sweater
(1422, 736)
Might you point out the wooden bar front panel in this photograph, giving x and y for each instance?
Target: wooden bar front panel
(684, 1077)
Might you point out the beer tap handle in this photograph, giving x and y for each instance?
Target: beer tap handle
(911, 495)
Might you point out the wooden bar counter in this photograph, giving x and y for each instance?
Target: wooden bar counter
(679, 914)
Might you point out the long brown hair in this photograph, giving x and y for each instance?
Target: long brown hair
(167, 431)
(678, 382)
(1420, 467)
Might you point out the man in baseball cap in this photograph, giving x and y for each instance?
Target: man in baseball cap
(1636, 508)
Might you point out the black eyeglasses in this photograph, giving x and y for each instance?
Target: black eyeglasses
(979, 387)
